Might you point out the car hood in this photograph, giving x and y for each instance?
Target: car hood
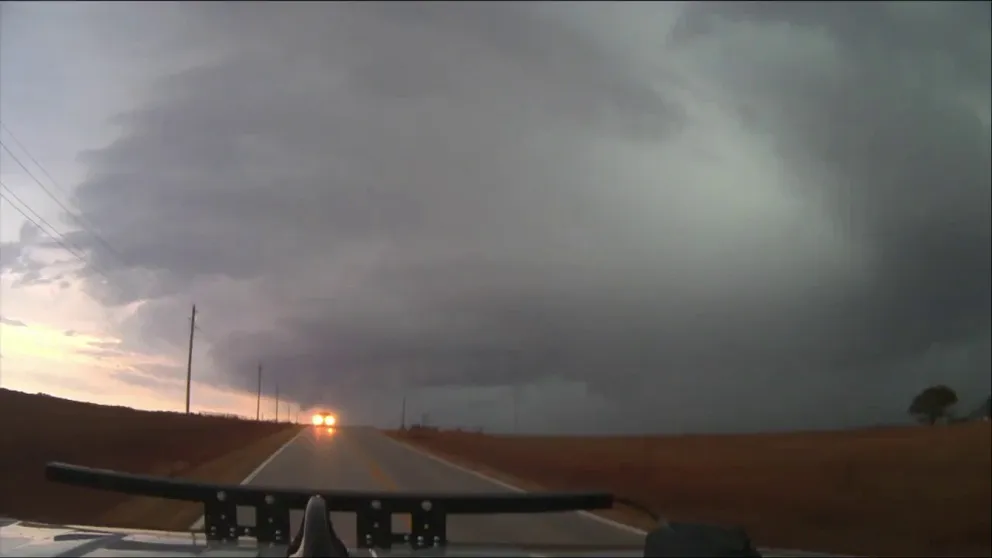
(24, 538)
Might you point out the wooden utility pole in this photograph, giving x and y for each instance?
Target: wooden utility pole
(258, 401)
(277, 402)
(516, 414)
(189, 358)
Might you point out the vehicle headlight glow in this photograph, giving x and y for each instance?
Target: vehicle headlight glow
(329, 420)
(318, 420)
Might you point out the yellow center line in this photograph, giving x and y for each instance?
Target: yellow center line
(382, 478)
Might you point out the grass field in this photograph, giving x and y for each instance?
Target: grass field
(917, 491)
(37, 429)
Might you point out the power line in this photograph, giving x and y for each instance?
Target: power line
(82, 221)
(60, 240)
(54, 234)
(79, 219)
(69, 246)
(64, 243)
(27, 152)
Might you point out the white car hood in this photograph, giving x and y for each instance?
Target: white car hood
(23, 538)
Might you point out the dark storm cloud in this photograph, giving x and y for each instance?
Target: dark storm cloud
(13, 256)
(901, 158)
(789, 212)
(12, 322)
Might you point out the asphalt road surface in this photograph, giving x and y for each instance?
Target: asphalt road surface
(364, 459)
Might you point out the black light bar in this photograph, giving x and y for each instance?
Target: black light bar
(374, 509)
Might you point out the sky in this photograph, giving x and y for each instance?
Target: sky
(521, 216)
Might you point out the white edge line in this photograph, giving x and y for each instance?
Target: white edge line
(590, 515)
(198, 524)
(441, 460)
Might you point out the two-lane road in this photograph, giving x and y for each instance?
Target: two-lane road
(365, 459)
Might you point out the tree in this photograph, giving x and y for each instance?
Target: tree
(933, 403)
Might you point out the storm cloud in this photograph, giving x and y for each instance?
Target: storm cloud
(699, 216)
(12, 322)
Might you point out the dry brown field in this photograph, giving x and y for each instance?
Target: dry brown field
(36, 429)
(921, 491)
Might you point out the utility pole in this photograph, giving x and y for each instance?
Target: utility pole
(277, 402)
(516, 414)
(403, 415)
(258, 402)
(189, 358)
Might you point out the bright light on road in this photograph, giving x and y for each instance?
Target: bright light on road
(329, 420)
(318, 420)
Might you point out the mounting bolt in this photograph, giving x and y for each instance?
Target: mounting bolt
(270, 499)
(221, 495)
(426, 505)
(376, 504)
